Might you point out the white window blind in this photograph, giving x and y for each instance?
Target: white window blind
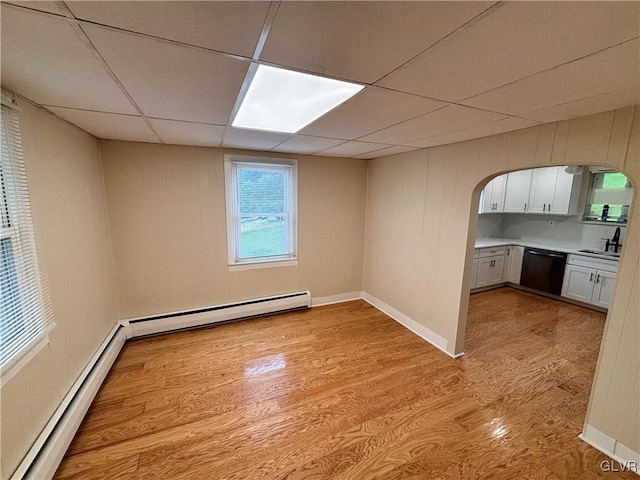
(261, 210)
(25, 313)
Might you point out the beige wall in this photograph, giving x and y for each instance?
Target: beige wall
(168, 225)
(420, 234)
(70, 222)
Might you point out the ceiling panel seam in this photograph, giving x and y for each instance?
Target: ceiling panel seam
(480, 16)
(577, 59)
(85, 38)
(253, 67)
(524, 117)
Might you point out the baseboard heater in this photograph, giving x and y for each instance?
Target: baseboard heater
(44, 457)
(168, 322)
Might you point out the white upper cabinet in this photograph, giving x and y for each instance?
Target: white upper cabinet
(543, 183)
(493, 195)
(547, 190)
(565, 194)
(517, 191)
(553, 191)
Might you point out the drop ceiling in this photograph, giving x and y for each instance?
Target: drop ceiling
(434, 72)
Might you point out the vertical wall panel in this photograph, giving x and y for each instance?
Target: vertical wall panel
(454, 173)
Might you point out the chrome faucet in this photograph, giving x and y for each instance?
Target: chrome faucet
(614, 242)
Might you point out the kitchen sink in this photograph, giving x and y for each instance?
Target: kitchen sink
(601, 252)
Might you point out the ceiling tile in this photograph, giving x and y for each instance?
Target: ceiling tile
(373, 109)
(572, 81)
(187, 133)
(445, 120)
(515, 40)
(232, 27)
(50, 7)
(252, 139)
(484, 130)
(108, 125)
(45, 60)
(361, 41)
(386, 152)
(351, 149)
(587, 106)
(306, 144)
(169, 81)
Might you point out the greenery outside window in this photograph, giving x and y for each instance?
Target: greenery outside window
(261, 209)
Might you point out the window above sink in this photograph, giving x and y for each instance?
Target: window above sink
(608, 198)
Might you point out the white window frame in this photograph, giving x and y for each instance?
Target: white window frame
(290, 166)
(39, 320)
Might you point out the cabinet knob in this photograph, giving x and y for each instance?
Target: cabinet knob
(591, 277)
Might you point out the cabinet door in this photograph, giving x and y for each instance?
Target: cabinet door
(499, 185)
(512, 273)
(474, 273)
(493, 196)
(543, 184)
(486, 199)
(562, 193)
(578, 283)
(489, 271)
(603, 290)
(483, 271)
(517, 189)
(507, 262)
(496, 272)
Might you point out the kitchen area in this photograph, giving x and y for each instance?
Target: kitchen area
(553, 231)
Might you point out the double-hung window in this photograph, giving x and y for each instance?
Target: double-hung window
(261, 210)
(25, 316)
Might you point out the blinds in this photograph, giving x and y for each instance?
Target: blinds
(25, 312)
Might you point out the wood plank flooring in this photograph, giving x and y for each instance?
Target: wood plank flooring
(343, 391)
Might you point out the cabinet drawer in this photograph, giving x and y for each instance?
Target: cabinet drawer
(591, 262)
(491, 252)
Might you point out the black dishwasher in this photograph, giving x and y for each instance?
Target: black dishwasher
(543, 270)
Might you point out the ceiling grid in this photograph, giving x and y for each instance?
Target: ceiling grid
(434, 72)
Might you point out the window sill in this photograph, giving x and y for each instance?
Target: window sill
(14, 366)
(240, 267)
(606, 224)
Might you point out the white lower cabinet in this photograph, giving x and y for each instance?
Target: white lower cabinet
(603, 290)
(490, 270)
(513, 264)
(474, 272)
(589, 280)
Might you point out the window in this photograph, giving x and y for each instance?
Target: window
(261, 209)
(609, 197)
(24, 314)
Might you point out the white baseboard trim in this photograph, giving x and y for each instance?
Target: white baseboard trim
(417, 328)
(44, 457)
(625, 457)
(331, 299)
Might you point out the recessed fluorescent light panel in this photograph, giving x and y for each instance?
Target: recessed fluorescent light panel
(280, 100)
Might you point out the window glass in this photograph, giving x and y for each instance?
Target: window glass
(260, 210)
(609, 197)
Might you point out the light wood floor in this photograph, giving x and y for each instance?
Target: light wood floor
(345, 392)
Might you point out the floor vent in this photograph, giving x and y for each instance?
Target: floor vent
(168, 322)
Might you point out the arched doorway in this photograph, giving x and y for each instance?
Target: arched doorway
(591, 215)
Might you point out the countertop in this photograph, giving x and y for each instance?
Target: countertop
(558, 247)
